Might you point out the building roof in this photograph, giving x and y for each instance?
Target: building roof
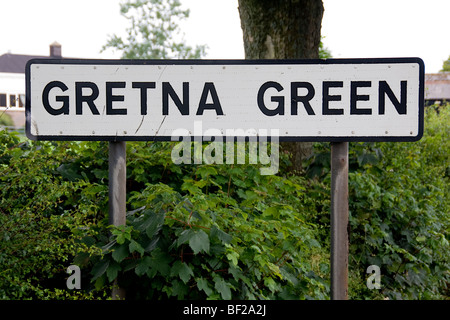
(15, 63)
(437, 86)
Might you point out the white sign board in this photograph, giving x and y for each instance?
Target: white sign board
(297, 100)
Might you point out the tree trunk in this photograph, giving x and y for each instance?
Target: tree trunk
(283, 29)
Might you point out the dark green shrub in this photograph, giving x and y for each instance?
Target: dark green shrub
(222, 231)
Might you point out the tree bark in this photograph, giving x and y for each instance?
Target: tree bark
(283, 29)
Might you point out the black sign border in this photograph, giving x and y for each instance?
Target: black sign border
(225, 62)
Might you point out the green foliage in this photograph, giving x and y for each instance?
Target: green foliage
(225, 232)
(41, 216)
(5, 120)
(399, 207)
(222, 231)
(446, 65)
(154, 32)
(324, 52)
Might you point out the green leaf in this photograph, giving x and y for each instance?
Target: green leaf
(99, 283)
(275, 269)
(199, 241)
(205, 171)
(99, 269)
(233, 256)
(120, 253)
(271, 211)
(179, 289)
(122, 233)
(185, 236)
(120, 238)
(153, 224)
(222, 236)
(223, 288)
(189, 185)
(69, 172)
(182, 270)
(143, 266)
(160, 262)
(271, 284)
(421, 238)
(113, 271)
(135, 246)
(202, 284)
(151, 245)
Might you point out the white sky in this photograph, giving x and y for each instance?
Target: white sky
(352, 28)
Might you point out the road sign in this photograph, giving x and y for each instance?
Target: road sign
(300, 100)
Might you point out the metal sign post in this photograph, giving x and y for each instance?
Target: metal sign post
(117, 180)
(339, 221)
(117, 194)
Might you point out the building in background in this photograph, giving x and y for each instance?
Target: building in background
(12, 83)
(437, 88)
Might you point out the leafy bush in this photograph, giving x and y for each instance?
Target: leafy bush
(41, 216)
(222, 231)
(399, 212)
